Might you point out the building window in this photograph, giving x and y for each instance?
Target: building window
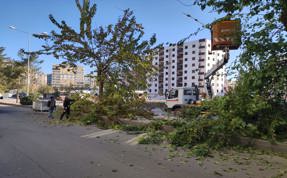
(173, 73)
(166, 56)
(207, 64)
(193, 77)
(193, 46)
(185, 71)
(173, 67)
(173, 55)
(173, 61)
(213, 59)
(155, 85)
(166, 50)
(193, 65)
(172, 84)
(193, 71)
(185, 84)
(185, 65)
(186, 53)
(166, 73)
(193, 58)
(155, 90)
(166, 79)
(185, 59)
(173, 49)
(208, 58)
(155, 63)
(172, 78)
(149, 90)
(166, 67)
(185, 78)
(193, 52)
(166, 84)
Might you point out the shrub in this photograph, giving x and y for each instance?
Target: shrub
(27, 100)
(153, 137)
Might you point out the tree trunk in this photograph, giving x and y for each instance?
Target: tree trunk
(101, 89)
(100, 79)
(17, 96)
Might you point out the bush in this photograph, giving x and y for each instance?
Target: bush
(27, 100)
(154, 137)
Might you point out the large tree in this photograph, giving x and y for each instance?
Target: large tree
(2, 61)
(263, 60)
(118, 53)
(14, 74)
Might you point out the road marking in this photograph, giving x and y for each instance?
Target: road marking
(135, 140)
(100, 133)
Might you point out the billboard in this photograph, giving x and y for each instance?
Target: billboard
(226, 33)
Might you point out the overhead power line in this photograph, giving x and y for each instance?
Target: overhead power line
(183, 3)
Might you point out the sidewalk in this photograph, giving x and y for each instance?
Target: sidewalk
(12, 101)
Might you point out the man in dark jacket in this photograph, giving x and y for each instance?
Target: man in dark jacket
(67, 103)
(52, 107)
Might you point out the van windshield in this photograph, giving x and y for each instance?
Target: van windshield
(187, 92)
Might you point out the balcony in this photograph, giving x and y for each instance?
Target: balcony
(200, 66)
(201, 60)
(201, 53)
(201, 47)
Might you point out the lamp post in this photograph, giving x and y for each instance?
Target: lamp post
(28, 65)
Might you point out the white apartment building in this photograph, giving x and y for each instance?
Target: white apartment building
(184, 66)
(65, 76)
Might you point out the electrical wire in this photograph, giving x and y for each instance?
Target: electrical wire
(184, 4)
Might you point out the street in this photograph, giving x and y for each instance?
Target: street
(31, 147)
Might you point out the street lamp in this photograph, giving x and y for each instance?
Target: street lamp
(28, 65)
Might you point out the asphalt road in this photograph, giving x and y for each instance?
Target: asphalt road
(32, 148)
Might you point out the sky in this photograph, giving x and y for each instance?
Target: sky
(165, 18)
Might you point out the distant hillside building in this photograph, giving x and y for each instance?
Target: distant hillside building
(185, 66)
(65, 76)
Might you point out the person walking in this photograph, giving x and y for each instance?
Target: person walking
(52, 107)
(66, 105)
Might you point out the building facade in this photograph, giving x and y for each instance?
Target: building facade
(89, 82)
(67, 77)
(185, 66)
(49, 79)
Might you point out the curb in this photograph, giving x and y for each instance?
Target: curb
(17, 105)
(263, 144)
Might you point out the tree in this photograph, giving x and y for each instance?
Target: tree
(117, 53)
(2, 61)
(264, 43)
(34, 65)
(260, 96)
(14, 73)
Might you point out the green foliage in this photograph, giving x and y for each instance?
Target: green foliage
(117, 52)
(27, 100)
(200, 150)
(154, 137)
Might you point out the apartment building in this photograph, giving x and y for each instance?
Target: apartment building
(185, 66)
(49, 79)
(65, 76)
(89, 82)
